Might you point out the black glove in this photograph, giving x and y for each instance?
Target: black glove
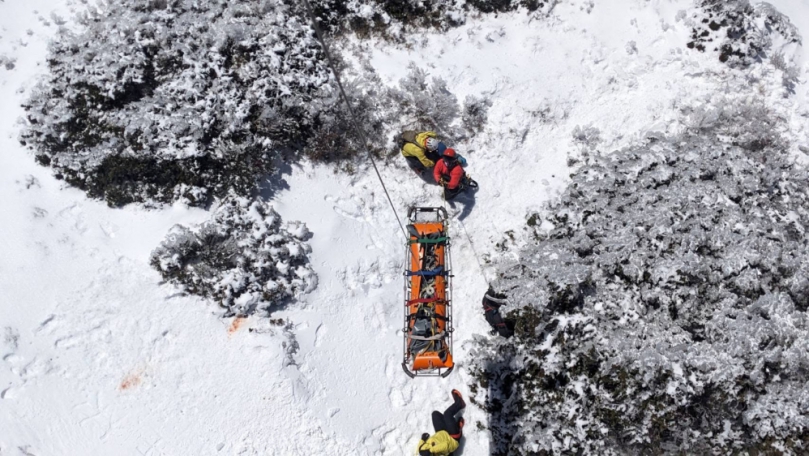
(425, 436)
(424, 453)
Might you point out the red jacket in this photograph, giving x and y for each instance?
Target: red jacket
(453, 175)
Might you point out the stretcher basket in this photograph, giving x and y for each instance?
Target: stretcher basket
(428, 294)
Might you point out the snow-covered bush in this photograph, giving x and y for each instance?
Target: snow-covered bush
(395, 19)
(418, 102)
(742, 34)
(243, 258)
(386, 18)
(165, 99)
(502, 6)
(662, 306)
(588, 136)
(427, 104)
(337, 136)
(475, 113)
(7, 63)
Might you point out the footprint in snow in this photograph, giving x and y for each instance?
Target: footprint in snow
(385, 439)
(320, 333)
(364, 276)
(379, 319)
(11, 338)
(392, 442)
(346, 208)
(48, 325)
(109, 229)
(9, 393)
(73, 215)
(36, 368)
(401, 395)
(29, 182)
(401, 389)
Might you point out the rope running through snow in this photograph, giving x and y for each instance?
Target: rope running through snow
(350, 109)
(468, 238)
(361, 132)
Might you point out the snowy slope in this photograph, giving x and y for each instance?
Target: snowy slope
(99, 358)
(796, 106)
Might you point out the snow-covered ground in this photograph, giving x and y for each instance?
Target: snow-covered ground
(97, 357)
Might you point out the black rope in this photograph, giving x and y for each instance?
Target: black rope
(350, 109)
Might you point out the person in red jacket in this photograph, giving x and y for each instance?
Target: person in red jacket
(450, 174)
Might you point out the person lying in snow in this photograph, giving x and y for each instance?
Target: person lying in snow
(491, 308)
(422, 150)
(448, 430)
(449, 173)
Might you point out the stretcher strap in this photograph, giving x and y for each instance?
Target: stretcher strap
(437, 317)
(421, 301)
(435, 272)
(428, 241)
(438, 336)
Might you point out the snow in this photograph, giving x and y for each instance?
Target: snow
(98, 357)
(798, 109)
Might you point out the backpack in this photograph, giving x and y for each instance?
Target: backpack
(491, 307)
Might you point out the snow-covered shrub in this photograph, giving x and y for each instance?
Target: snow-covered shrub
(337, 136)
(430, 105)
(387, 18)
(662, 306)
(160, 100)
(739, 32)
(418, 102)
(502, 6)
(587, 136)
(243, 258)
(7, 63)
(475, 113)
(395, 19)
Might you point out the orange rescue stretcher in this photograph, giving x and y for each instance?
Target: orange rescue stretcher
(428, 295)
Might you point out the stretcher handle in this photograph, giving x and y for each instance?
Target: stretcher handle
(440, 210)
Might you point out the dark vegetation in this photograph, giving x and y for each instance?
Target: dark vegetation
(731, 30)
(244, 258)
(662, 305)
(164, 100)
(393, 19)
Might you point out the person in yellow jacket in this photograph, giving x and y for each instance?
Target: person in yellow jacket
(420, 149)
(448, 430)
